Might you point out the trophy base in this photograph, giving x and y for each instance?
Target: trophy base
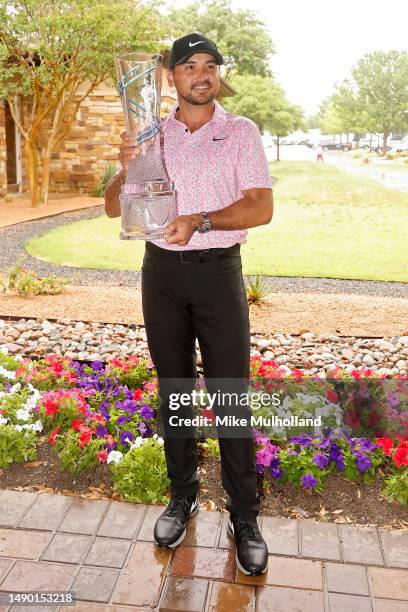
(124, 235)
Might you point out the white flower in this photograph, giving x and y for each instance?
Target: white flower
(7, 373)
(114, 456)
(160, 440)
(22, 415)
(3, 421)
(137, 443)
(19, 427)
(38, 426)
(15, 388)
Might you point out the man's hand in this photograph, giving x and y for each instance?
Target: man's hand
(128, 150)
(182, 228)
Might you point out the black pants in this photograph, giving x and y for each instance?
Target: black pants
(200, 295)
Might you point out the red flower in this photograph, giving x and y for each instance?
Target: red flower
(356, 374)
(98, 418)
(137, 394)
(54, 434)
(208, 414)
(85, 437)
(332, 396)
(352, 419)
(76, 424)
(51, 406)
(102, 455)
(387, 444)
(401, 455)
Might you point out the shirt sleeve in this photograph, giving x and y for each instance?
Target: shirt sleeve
(253, 169)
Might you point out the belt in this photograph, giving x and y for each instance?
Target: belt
(193, 256)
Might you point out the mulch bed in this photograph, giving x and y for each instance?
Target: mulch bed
(342, 501)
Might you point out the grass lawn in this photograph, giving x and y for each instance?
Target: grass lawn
(326, 224)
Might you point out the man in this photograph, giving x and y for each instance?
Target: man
(192, 286)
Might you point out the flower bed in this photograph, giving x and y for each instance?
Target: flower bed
(107, 414)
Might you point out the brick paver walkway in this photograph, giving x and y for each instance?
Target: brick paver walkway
(103, 551)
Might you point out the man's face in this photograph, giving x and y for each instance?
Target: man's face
(198, 80)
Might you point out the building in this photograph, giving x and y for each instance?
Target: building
(90, 146)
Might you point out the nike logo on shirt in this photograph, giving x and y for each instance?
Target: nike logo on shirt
(218, 138)
(190, 44)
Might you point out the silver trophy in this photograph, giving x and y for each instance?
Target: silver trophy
(148, 199)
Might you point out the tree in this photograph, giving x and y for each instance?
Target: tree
(382, 83)
(48, 49)
(263, 100)
(241, 37)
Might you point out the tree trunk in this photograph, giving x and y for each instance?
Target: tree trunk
(277, 148)
(45, 179)
(385, 138)
(33, 172)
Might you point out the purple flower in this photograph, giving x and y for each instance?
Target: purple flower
(277, 473)
(129, 405)
(145, 430)
(363, 462)
(123, 419)
(335, 451)
(259, 469)
(321, 460)
(308, 481)
(365, 444)
(126, 434)
(98, 366)
(393, 399)
(275, 463)
(304, 440)
(101, 431)
(147, 412)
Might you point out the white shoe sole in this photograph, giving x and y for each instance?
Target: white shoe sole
(230, 532)
(193, 511)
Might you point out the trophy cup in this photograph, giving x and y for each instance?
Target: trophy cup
(148, 199)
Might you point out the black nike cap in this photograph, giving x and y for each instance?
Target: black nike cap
(183, 48)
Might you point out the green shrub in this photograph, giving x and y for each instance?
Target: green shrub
(99, 190)
(16, 445)
(211, 447)
(73, 458)
(26, 282)
(256, 289)
(141, 475)
(396, 488)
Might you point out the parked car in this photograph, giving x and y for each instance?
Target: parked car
(333, 145)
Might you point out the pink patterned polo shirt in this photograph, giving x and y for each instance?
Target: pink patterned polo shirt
(210, 167)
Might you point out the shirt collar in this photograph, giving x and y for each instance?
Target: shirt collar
(219, 115)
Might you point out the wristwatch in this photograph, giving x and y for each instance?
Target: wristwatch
(205, 225)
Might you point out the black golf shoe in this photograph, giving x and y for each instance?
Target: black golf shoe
(251, 550)
(170, 528)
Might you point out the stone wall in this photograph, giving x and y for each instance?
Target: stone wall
(90, 146)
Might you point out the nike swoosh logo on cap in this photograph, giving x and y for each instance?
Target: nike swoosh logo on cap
(190, 44)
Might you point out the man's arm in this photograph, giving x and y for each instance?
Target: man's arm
(255, 208)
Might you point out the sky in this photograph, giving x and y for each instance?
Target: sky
(318, 42)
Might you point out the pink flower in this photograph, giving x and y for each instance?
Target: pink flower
(102, 455)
